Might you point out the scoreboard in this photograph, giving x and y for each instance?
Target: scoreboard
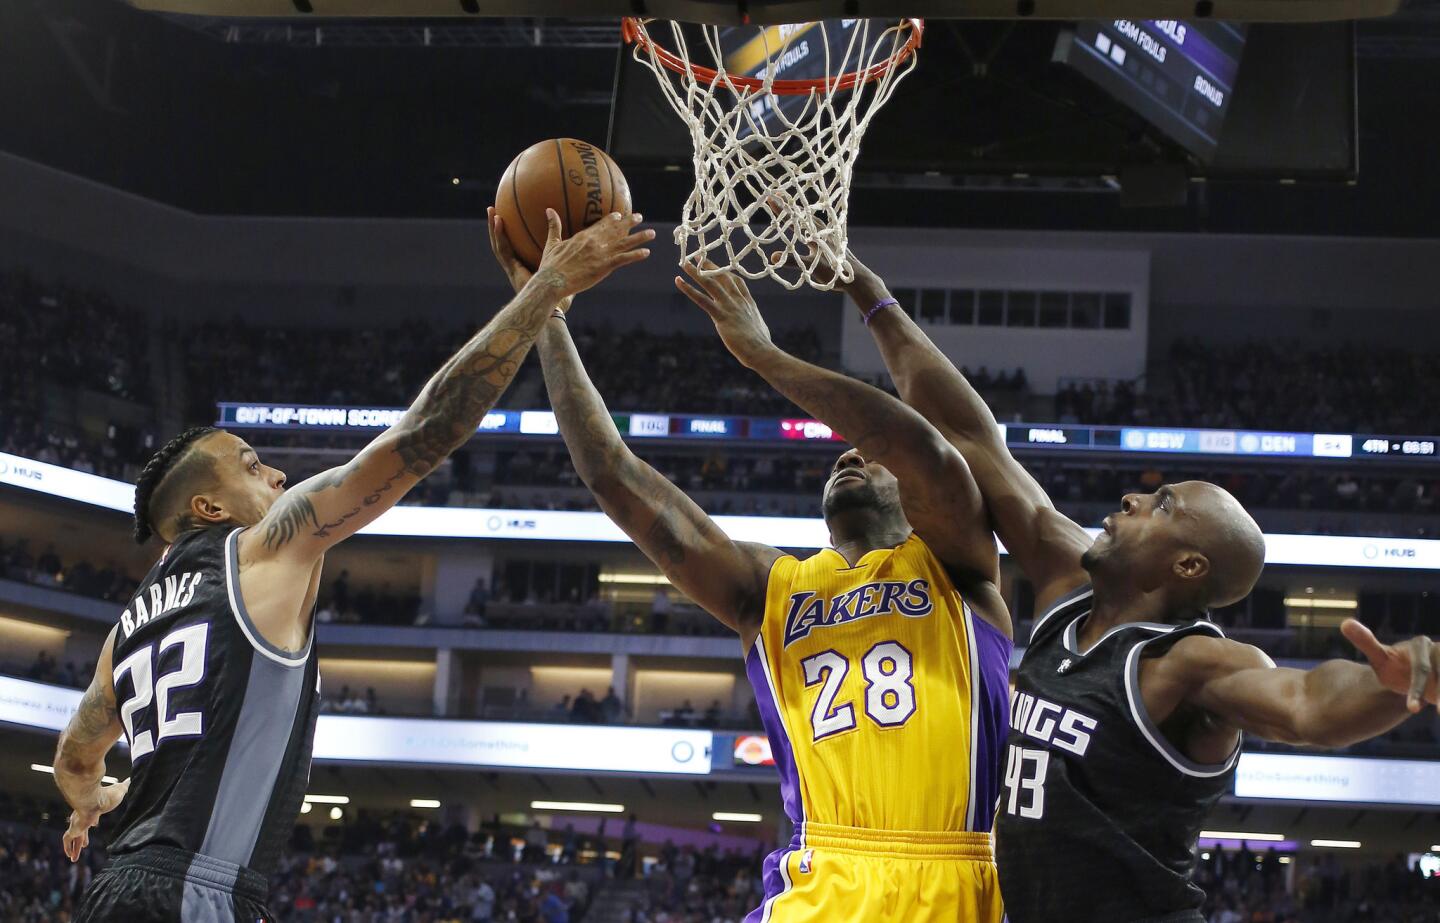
(1178, 76)
(1394, 445)
(777, 431)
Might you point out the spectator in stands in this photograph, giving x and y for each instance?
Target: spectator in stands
(629, 849)
(684, 716)
(47, 567)
(340, 593)
(474, 616)
(585, 710)
(612, 710)
(553, 908)
(660, 611)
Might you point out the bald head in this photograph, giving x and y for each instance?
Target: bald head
(1219, 528)
(1191, 544)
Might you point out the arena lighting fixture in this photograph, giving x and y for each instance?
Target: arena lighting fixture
(336, 813)
(306, 808)
(424, 803)
(328, 799)
(1234, 835)
(1336, 844)
(641, 579)
(1283, 860)
(1309, 602)
(739, 818)
(41, 767)
(577, 806)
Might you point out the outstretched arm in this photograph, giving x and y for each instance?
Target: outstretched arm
(939, 496)
(728, 579)
(1335, 704)
(1046, 543)
(80, 755)
(330, 507)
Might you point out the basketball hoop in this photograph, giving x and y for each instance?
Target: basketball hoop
(774, 157)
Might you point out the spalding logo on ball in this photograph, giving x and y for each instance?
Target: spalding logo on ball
(575, 178)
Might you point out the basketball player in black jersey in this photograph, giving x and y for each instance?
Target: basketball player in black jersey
(1130, 704)
(211, 673)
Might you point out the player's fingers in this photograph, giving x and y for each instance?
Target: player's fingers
(500, 240)
(631, 241)
(554, 229)
(783, 259)
(628, 257)
(722, 279)
(1419, 651)
(74, 835)
(614, 225)
(1365, 641)
(705, 302)
(704, 282)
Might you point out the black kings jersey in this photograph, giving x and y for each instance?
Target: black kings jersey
(1099, 812)
(219, 722)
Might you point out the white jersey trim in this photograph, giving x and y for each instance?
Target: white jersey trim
(1070, 640)
(1069, 599)
(242, 616)
(975, 679)
(785, 877)
(1148, 729)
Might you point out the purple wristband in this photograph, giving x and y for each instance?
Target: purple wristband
(882, 303)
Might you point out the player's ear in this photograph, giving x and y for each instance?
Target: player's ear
(1192, 565)
(209, 509)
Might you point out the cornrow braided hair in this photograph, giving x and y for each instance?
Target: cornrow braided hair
(156, 468)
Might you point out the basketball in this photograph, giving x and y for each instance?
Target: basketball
(575, 178)
(1202, 416)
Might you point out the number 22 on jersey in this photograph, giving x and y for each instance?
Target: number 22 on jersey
(889, 699)
(140, 667)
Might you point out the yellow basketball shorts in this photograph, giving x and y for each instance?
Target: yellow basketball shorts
(833, 874)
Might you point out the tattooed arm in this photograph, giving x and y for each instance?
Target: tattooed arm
(333, 505)
(726, 578)
(80, 755)
(937, 491)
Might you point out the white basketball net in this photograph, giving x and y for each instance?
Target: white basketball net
(776, 185)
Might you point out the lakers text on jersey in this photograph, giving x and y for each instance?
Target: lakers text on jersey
(885, 700)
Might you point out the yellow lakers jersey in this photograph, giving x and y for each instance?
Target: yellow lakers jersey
(885, 698)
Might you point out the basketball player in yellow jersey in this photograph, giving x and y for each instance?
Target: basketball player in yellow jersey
(880, 664)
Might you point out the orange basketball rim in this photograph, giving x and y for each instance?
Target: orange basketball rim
(634, 32)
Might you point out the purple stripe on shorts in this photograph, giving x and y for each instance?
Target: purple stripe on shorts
(992, 684)
(775, 729)
(772, 879)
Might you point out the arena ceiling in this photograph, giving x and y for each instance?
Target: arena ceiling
(380, 118)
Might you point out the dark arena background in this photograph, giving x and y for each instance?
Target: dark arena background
(1155, 267)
